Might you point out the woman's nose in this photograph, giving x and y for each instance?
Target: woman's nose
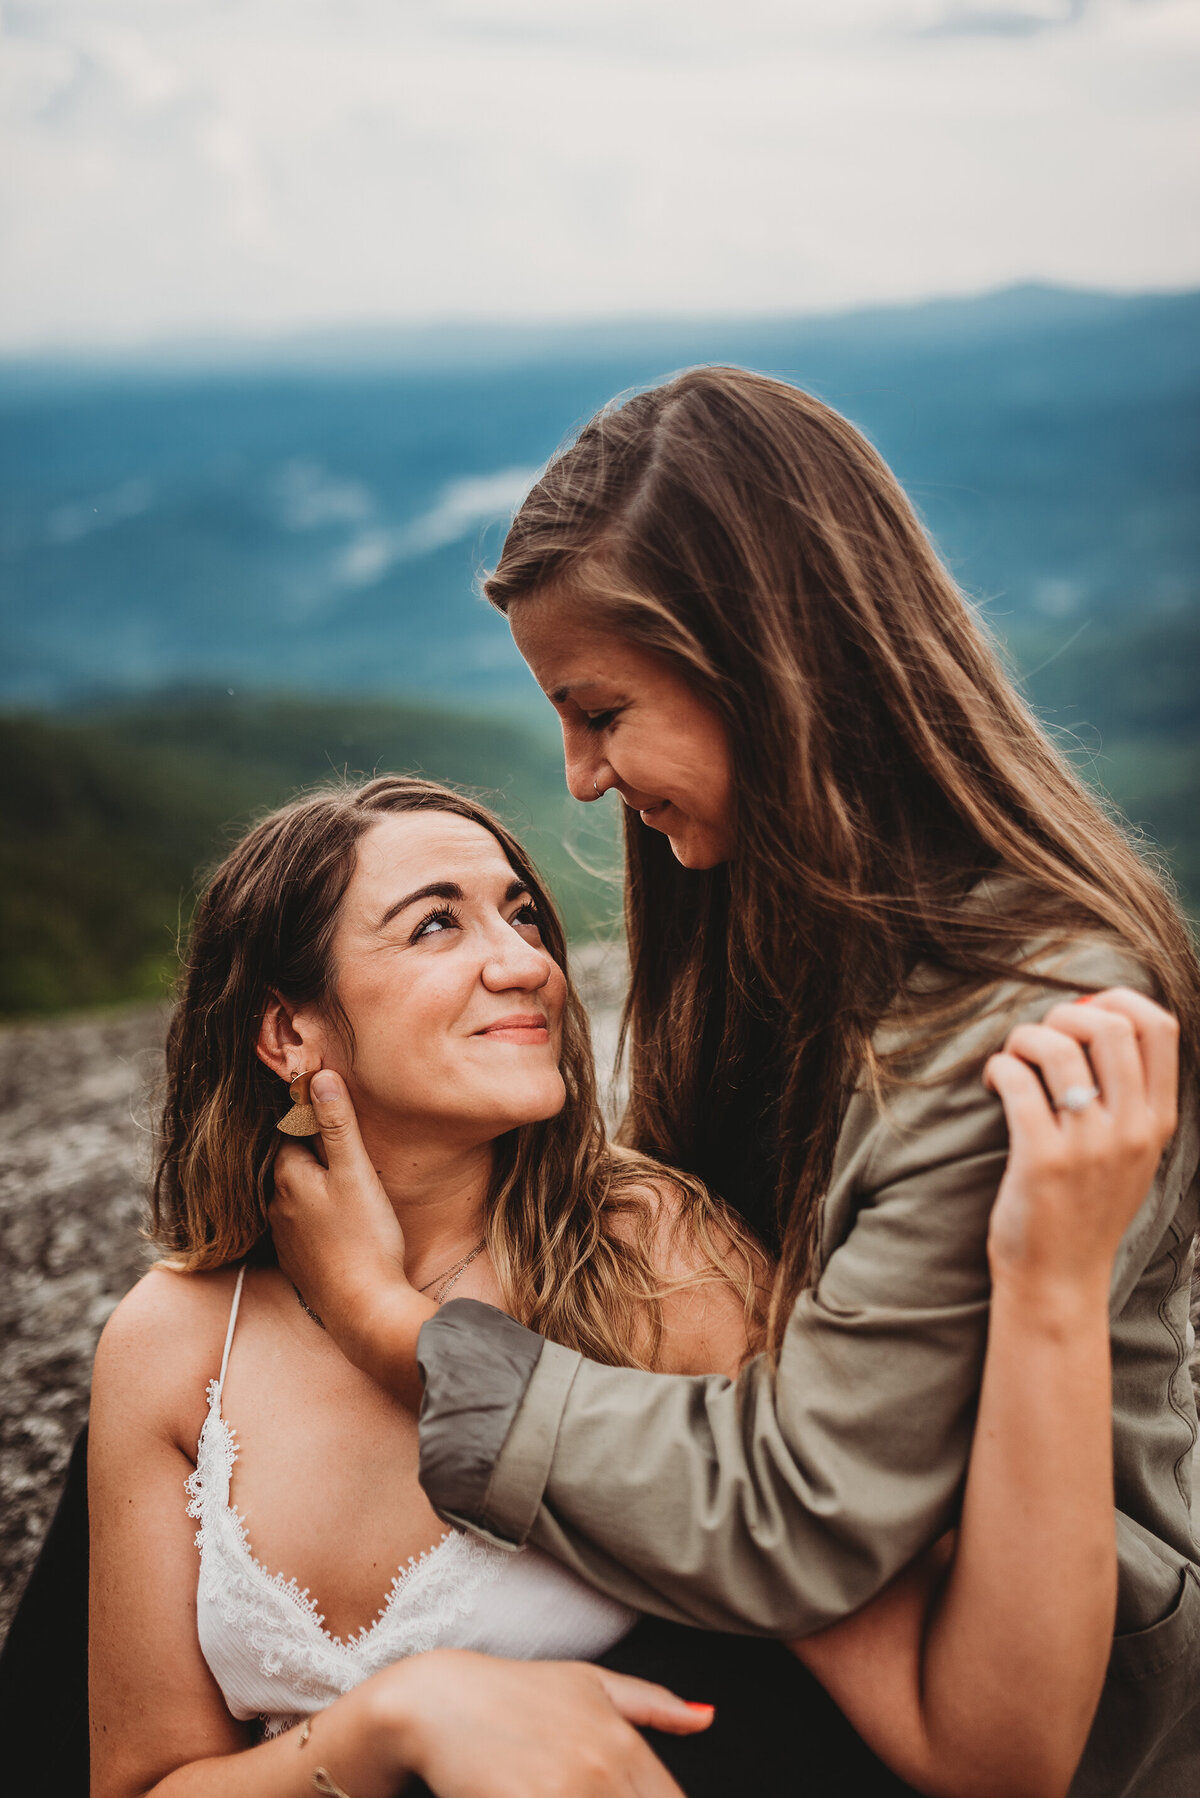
(516, 962)
(582, 760)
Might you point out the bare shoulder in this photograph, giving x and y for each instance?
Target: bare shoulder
(703, 1305)
(166, 1312)
(161, 1346)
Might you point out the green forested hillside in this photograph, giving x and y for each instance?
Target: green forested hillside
(108, 822)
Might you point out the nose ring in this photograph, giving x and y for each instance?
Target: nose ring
(596, 788)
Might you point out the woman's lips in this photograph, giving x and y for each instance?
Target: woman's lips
(645, 811)
(522, 1027)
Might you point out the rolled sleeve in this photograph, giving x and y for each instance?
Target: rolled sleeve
(477, 1364)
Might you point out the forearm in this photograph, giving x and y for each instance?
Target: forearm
(383, 1341)
(469, 1724)
(744, 1532)
(975, 1673)
(1016, 1649)
(360, 1742)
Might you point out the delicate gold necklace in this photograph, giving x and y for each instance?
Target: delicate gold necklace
(447, 1277)
(452, 1273)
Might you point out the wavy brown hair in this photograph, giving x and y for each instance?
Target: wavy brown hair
(573, 1228)
(883, 763)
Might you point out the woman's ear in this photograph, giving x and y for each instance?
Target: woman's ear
(287, 1040)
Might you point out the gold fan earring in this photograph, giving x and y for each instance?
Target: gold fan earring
(301, 1120)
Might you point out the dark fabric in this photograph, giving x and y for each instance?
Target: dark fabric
(776, 1734)
(43, 1664)
(476, 1363)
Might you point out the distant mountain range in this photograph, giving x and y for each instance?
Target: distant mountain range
(309, 514)
(229, 570)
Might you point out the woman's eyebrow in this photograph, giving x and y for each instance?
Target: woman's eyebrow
(558, 694)
(436, 889)
(445, 889)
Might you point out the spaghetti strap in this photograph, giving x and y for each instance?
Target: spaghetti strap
(233, 1311)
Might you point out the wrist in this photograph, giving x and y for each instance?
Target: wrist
(385, 1338)
(398, 1715)
(1052, 1300)
(362, 1738)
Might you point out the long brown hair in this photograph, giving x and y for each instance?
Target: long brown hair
(883, 764)
(571, 1226)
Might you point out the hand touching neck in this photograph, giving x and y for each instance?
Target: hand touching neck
(438, 1191)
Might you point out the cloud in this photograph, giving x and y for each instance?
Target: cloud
(1018, 19)
(310, 498)
(1026, 20)
(176, 167)
(67, 524)
(462, 507)
(465, 504)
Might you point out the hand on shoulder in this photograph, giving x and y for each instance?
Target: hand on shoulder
(1091, 1097)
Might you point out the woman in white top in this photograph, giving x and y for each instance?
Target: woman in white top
(399, 937)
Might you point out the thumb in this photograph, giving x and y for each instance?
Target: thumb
(648, 1706)
(339, 1126)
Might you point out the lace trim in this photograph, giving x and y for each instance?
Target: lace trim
(279, 1621)
(277, 1726)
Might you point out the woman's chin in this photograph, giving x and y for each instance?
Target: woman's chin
(698, 851)
(480, 1113)
(538, 1101)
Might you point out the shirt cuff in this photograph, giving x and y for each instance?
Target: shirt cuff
(494, 1396)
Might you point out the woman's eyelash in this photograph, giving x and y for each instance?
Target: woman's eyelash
(598, 721)
(444, 912)
(524, 914)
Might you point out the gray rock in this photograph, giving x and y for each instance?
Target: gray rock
(75, 1107)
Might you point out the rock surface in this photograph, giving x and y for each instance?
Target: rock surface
(76, 1102)
(75, 1107)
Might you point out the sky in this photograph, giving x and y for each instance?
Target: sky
(183, 167)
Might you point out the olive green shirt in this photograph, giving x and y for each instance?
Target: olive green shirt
(777, 1503)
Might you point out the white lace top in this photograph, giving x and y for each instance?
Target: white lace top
(263, 1637)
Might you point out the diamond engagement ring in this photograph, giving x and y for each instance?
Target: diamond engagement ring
(1078, 1098)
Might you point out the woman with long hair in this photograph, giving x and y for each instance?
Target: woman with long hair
(398, 938)
(398, 934)
(854, 863)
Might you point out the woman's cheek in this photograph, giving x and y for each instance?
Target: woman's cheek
(556, 1004)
